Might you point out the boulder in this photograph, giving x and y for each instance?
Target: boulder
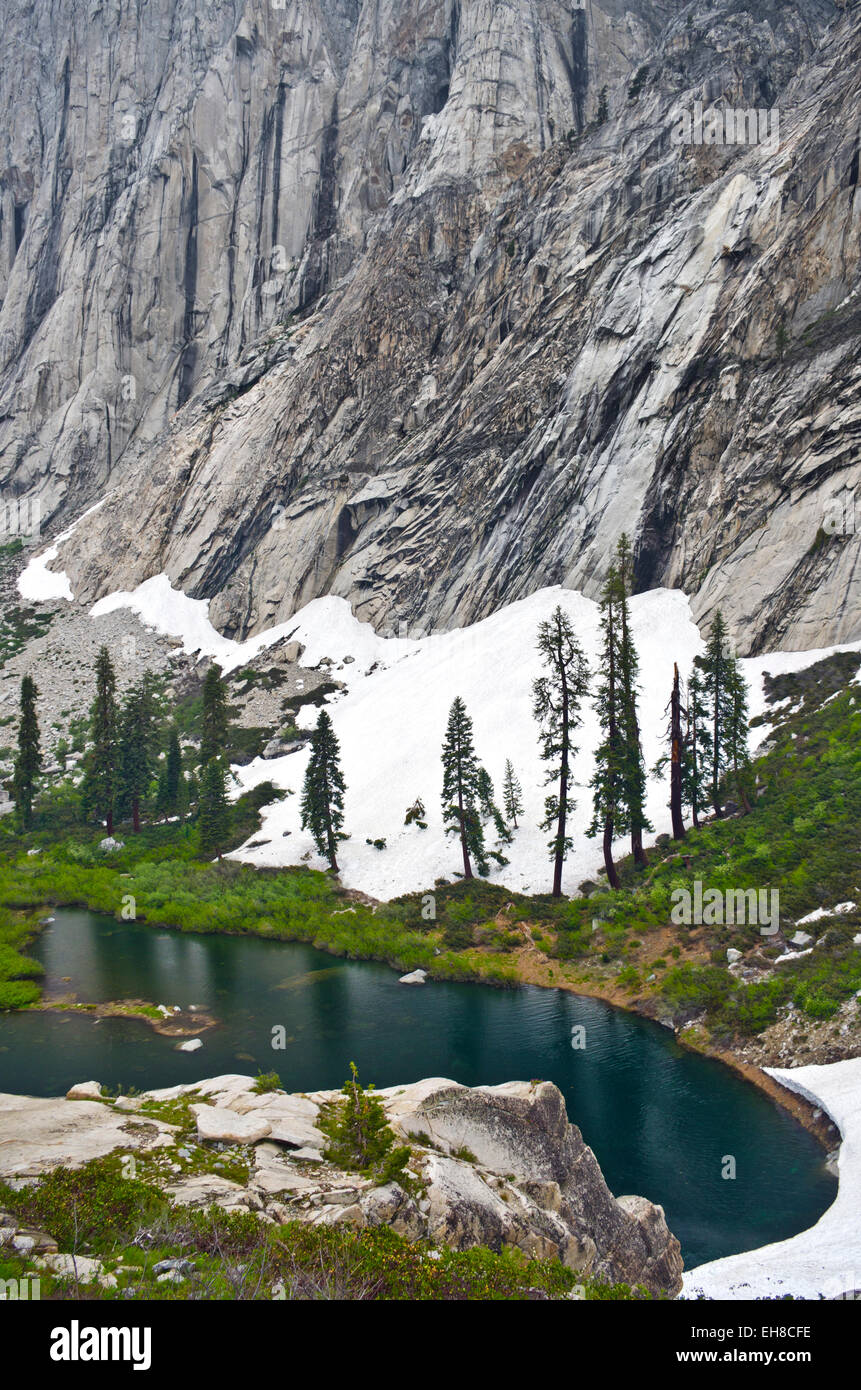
(84, 1090)
(210, 1189)
(415, 977)
(79, 1268)
(215, 1122)
(392, 1206)
(733, 955)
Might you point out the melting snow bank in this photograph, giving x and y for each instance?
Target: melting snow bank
(826, 1260)
(325, 627)
(39, 584)
(391, 721)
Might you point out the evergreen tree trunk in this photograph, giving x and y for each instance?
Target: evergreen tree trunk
(467, 867)
(330, 832)
(676, 760)
(563, 793)
(716, 748)
(739, 783)
(612, 875)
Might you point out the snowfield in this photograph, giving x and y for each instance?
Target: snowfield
(824, 1261)
(391, 723)
(391, 720)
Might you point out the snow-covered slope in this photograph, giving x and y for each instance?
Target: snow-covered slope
(824, 1261)
(391, 721)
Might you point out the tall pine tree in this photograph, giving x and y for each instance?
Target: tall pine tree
(715, 666)
(215, 720)
(173, 773)
(101, 765)
(677, 758)
(512, 794)
(737, 755)
(609, 806)
(28, 759)
(696, 749)
(461, 798)
(138, 741)
(213, 817)
(322, 806)
(635, 770)
(556, 706)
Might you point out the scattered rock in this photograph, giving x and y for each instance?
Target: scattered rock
(84, 1090)
(416, 977)
(215, 1122)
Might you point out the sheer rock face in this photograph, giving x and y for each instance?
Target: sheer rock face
(520, 1131)
(437, 336)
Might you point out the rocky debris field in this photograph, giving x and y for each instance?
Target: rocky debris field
(57, 644)
(493, 1166)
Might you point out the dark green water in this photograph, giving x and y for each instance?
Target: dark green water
(659, 1119)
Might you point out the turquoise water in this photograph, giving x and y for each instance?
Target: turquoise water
(660, 1119)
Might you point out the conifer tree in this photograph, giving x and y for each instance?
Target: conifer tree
(635, 770)
(738, 757)
(173, 769)
(716, 667)
(696, 747)
(512, 794)
(322, 806)
(489, 808)
(677, 758)
(138, 737)
(460, 788)
(101, 767)
(556, 707)
(360, 1137)
(161, 796)
(214, 813)
(28, 759)
(215, 720)
(609, 807)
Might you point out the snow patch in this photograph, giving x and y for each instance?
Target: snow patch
(391, 724)
(824, 1261)
(37, 583)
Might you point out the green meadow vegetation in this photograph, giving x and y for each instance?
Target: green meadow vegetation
(129, 1224)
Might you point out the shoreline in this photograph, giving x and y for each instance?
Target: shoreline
(524, 960)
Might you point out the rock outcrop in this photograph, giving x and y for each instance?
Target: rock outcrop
(495, 1166)
(388, 302)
